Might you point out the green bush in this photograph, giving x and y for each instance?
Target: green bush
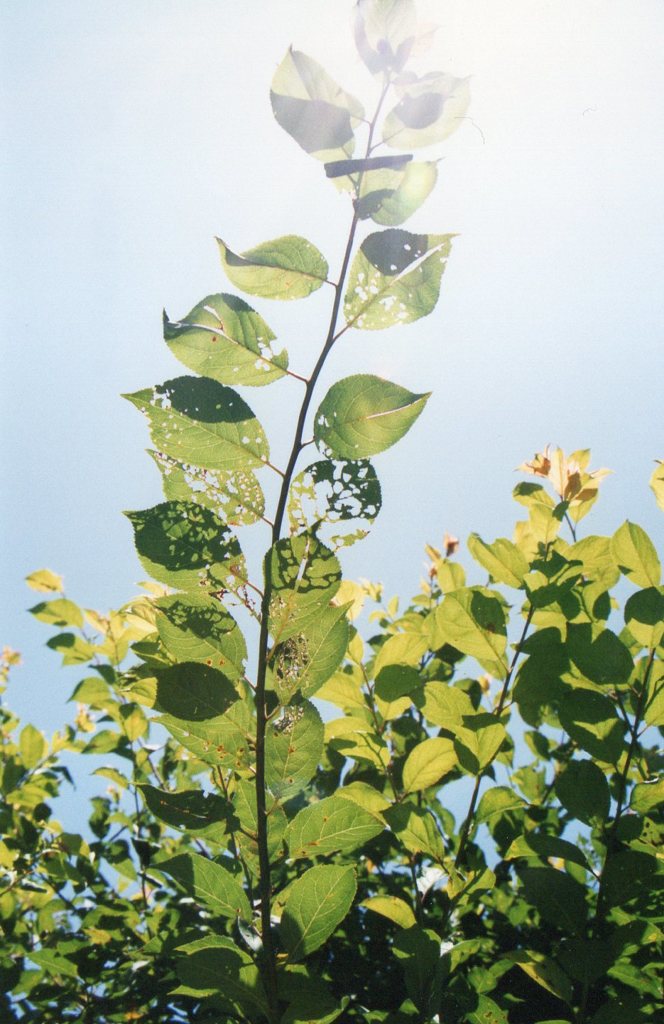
(254, 859)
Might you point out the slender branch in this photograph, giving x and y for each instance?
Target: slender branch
(497, 711)
(622, 790)
(264, 883)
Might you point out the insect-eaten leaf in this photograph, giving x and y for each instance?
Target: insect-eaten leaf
(234, 495)
(331, 492)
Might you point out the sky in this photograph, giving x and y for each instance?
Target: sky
(137, 131)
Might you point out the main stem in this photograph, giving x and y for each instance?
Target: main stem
(264, 884)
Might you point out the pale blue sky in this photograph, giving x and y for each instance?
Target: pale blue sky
(136, 131)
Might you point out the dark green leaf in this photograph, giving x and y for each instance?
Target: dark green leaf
(644, 616)
(583, 791)
(560, 900)
(194, 692)
(189, 810)
(592, 721)
(602, 658)
(214, 964)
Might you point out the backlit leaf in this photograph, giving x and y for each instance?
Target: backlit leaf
(223, 740)
(416, 829)
(214, 964)
(389, 197)
(190, 810)
(307, 659)
(430, 109)
(187, 546)
(473, 620)
(657, 484)
(332, 825)
(317, 903)
(209, 882)
(234, 495)
(59, 612)
(293, 749)
(45, 582)
(636, 555)
(592, 721)
(224, 338)
(196, 420)
(313, 109)
(305, 575)
(363, 415)
(395, 278)
(285, 268)
(328, 493)
(196, 627)
(427, 763)
(385, 32)
(392, 908)
(644, 616)
(502, 559)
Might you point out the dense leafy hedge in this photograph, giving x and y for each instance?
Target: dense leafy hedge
(276, 840)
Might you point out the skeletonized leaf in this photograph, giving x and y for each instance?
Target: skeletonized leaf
(307, 658)
(313, 109)
(305, 575)
(363, 415)
(208, 882)
(187, 546)
(196, 420)
(285, 268)
(317, 903)
(293, 749)
(330, 492)
(395, 278)
(234, 495)
(332, 825)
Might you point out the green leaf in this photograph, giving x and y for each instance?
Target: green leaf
(189, 810)
(636, 555)
(472, 619)
(496, 802)
(32, 746)
(602, 658)
(285, 268)
(194, 692)
(307, 659)
(223, 741)
(393, 908)
(305, 575)
(478, 741)
(332, 825)
(560, 900)
(416, 829)
(196, 420)
(187, 546)
(544, 971)
(395, 278)
(196, 627)
(592, 721)
(365, 796)
(313, 109)
(502, 559)
(486, 1012)
(647, 795)
(402, 649)
(644, 616)
(390, 196)
(45, 581)
(418, 950)
(54, 963)
(583, 791)
(309, 1000)
(657, 484)
(224, 338)
(328, 493)
(59, 612)
(209, 882)
(544, 846)
(293, 749)
(429, 110)
(234, 495)
(363, 415)
(214, 964)
(385, 32)
(317, 903)
(445, 705)
(427, 763)
(74, 649)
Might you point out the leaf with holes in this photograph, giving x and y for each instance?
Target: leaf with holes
(285, 268)
(293, 749)
(332, 825)
(395, 278)
(317, 903)
(197, 420)
(196, 627)
(234, 495)
(313, 109)
(225, 339)
(187, 546)
(430, 108)
(363, 415)
(305, 575)
(307, 658)
(331, 492)
(209, 882)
